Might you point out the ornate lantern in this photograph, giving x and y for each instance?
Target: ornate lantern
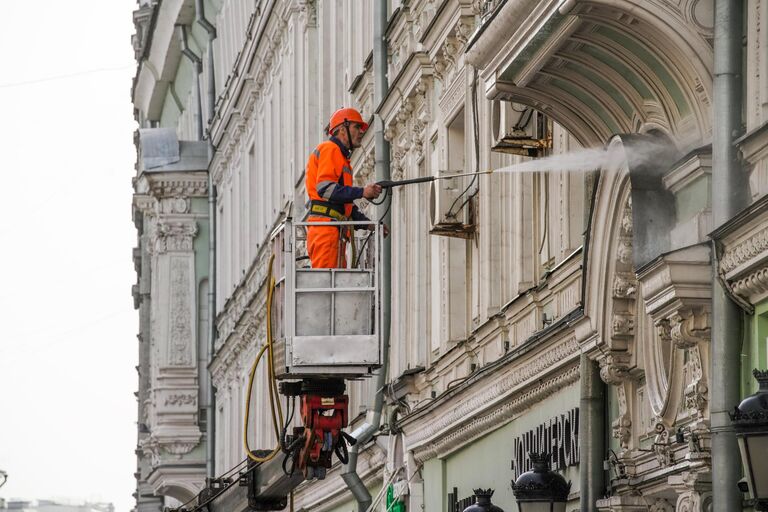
(750, 420)
(483, 502)
(541, 489)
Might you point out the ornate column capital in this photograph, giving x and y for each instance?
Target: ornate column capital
(174, 236)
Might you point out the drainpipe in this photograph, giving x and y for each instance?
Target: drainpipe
(729, 196)
(211, 31)
(591, 435)
(210, 406)
(198, 63)
(366, 431)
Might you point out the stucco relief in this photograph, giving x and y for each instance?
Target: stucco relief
(174, 187)
(445, 427)
(174, 236)
(481, 424)
(180, 315)
(743, 265)
(694, 491)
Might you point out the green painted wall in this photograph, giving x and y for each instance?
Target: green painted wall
(693, 198)
(487, 461)
(754, 353)
(351, 504)
(200, 244)
(435, 492)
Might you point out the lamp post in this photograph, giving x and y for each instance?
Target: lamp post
(541, 489)
(750, 420)
(483, 502)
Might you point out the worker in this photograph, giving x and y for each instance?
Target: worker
(331, 194)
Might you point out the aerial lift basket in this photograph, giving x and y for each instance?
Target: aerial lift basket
(327, 321)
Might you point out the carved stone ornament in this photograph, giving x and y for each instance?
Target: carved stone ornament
(697, 391)
(622, 430)
(165, 187)
(174, 237)
(181, 399)
(624, 286)
(423, 427)
(150, 447)
(179, 448)
(694, 491)
(624, 251)
(745, 251)
(754, 285)
(662, 447)
(174, 205)
(690, 327)
(623, 325)
(661, 505)
(180, 315)
(614, 367)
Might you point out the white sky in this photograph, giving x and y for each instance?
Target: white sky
(68, 338)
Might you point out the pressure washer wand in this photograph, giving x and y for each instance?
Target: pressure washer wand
(425, 179)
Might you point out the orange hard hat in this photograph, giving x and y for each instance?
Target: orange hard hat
(346, 115)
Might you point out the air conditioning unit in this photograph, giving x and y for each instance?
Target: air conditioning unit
(519, 130)
(446, 214)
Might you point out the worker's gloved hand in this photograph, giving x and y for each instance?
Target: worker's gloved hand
(372, 191)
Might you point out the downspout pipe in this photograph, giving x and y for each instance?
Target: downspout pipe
(211, 31)
(591, 434)
(381, 164)
(210, 406)
(729, 196)
(205, 380)
(198, 63)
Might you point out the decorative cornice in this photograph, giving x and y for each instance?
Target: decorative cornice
(456, 438)
(754, 286)
(177, 185)
(443, 419)
(746, 250)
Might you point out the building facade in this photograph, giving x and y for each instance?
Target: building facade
(566, 310)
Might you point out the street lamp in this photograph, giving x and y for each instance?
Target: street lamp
(4, 476)
(483, 502)
(750, 420)
(541, 489)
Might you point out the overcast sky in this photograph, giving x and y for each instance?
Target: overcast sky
(68, 345)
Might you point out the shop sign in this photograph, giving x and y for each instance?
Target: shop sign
(558, 437)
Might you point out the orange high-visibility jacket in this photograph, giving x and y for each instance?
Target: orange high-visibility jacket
(329, 179)
(329, 187)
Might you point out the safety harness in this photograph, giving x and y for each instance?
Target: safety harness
(326, 209)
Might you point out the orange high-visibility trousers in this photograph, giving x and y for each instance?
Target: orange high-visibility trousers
(324, 246)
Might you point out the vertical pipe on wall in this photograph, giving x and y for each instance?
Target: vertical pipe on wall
(210, 406)
(729, 195)
(197, 62)
(591, 434)
(381, 164)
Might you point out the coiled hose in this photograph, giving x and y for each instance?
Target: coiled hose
(274, 398)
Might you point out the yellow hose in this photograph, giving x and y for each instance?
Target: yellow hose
(274, 398)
